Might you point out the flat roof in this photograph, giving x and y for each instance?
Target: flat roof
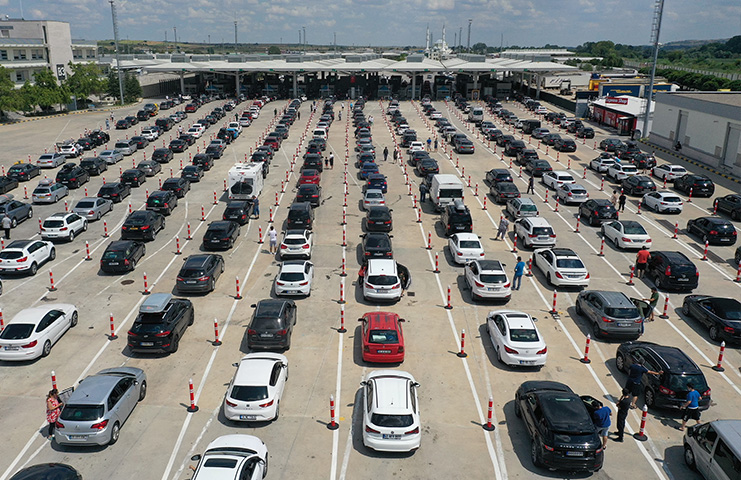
(724, 98)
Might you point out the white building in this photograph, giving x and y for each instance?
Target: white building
(27, 46)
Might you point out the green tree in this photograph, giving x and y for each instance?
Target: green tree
(46, 92)
(9, 97)
(85, 79)
(132, 88)
(479, 47)
(273, 50)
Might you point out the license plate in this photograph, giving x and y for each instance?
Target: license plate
(134, 228)
(724, 239)
(266, 335)
(190, 282)
(574, 454)
(387, 436)
(248, 417)
(78, 437)
(527, 362)
(383, 351)
(292, 291)
(147, 344)
(11, 348)
(623, 324)
(493, 289)
(683, 279)
(113, 263)
(543, 238)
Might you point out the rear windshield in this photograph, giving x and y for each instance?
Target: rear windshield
(569, 263)
(113, 255)
(122, 145)
(671, 199)
(85, 204)
(523, 335)
(247, 393)
(54, 223)
(383, 280)
(11, 255)
(392, 421)
(528, 207)
(542, 231)
(107, 189)
(723, 227)
(678, 383)
(450, 193)
(82, 413)
(294, 241)
(266, 324)
(298, 214)
(493, 278)
(622, 312)
(191, 273)
(17, 331)
(470, 244)
(383, 336)
(291, 276)
(634, 230)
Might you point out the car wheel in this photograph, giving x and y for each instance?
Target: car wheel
(115, 431)
(705, 238)
(713, 332)
(686, 309)
(518, 410)
(650, 397)
(658, 282)
(143, 390)
(593, 221)
(47, 349)
(71, 235)
(212, 285)
(277, 412)
(14, 222)
(689, 457)
(97, 216)
(175, 344)
(620, 362)
(736, 215)
(33, 269)
(133, 264)
(597, 331)
(578, 308)
(535, 455)
(548, 279)
(30, 213)
(73, 320)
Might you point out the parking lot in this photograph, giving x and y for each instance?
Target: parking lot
(161, 436)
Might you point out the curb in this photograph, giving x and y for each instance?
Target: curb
(693, 162)
(78, 112)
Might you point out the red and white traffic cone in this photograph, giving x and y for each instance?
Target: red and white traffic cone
(177, 245)
(41, 228)
(239, 294)
(476, 191)
(66, 206)
(112, 335)
(705, 252)
(270, 215)
(259, 234)
(462, 353)
(203, 213)
(484, 203)
(419, 215)
(216, 201)
(146, 285)
(437, 263)
(449, 306)
(342, 292)
(676, 230)
(632, 272)
(87, 251)
(546, 197)
(488, 426)
(189, 237)
(719, 366)
(130, 209)
(54, 380)
(429, 240)
(665, 315)
(641, 435)
(52, 288)
(738, 273)
(217, 340)
(585, 173)
(578, 221)
(602, 185)
(529, 268)
(514, 244)
(689, 197)
(715, 207)
(344, 236)
(25, 192)
(555, 296)
(193, 407)
(585, 358)
(105, 229)
(639, 208)
(664, 182)
(332, 425)
(602, 248)
(342, 328)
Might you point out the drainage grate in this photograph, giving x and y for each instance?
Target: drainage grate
(410, 294)
(127, 282)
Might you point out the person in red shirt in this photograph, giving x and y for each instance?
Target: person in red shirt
(641, 261)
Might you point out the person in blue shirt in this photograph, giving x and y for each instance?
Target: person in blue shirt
(691, 406)
(519, 271)
(601, 419)
(635, 375)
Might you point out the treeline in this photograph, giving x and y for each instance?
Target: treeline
(696, 81)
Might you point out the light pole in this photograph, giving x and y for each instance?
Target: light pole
(118, 57)
(468, 46)
(235, 36)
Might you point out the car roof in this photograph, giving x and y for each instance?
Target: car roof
(515, 319)
(157, 302)
(614, 299)
(256, 368)
(392, 391)
(293, 265)
(467, 236)
(219, 225)
(544, 385)
(564, 252)
(297, 232)
(93, 390)
(537, 221)
(19, 244)
(382, 320)
(235, 444)
(676, 361)
(195, 261)
(119, 245)
(673, 257)
(491, 265)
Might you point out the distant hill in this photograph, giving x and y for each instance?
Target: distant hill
(684, 44)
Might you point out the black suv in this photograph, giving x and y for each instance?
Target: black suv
(672, 270)
(497, 175)
(456, 218)
(713, 230)
(377, 245)
(514, 147)
(238, 211)
(668, 390)
(300, 216)
(700, 185)
(221, 234)
(560, 426)
(94, 165)
(638, 185)
(272, 324)
(565, 145)
(597, 210)
(161, 323)
(730, 204)
(114, 192)
(199, 273)
(122, 256)
(72, 175)
(142, 225)
(162, 201)
(179, 186)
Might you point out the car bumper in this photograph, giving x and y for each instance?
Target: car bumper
(382, 296)
(502, 293)
(20, 355)
(194, 287)
(293, 290)
(519, 360)
(561, 462)
(676, 284)
(377, 442)
(465, 258)
(631, 332)
(215, 245)
(17, 268)
(716, 240)
(663, 401)
(250, 415)
(383, 357)
(99, 438)
(571, 282)
(116, 268)
(257, 342)
(55, 235)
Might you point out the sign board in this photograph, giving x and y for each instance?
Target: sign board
(475, 94)
(61, 72)
(619, 101)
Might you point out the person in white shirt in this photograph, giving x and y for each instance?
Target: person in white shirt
(273, 236)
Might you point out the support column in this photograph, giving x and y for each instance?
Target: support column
(537, 83)
(295, 84)
(414, 83)
(182, 83)
(236, 82)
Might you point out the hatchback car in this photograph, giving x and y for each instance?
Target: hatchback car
(391, 420)
(63, 225)
(382, 281)
(122, 256)
(572, 193)
(382, 337)
(149, 167)
(7, 184)
(487, 280)
(672, 270)
(26, 256)
(497, 175)
(699, 185)
(638, 185)
(309, 193)
(620, 171)
(199, 273)
(376, 245)
(133, 177)
(100, 405)
(537, 167)
(221, 234)
(192, 173)
(663, 202)
(179, 186)
(49, 192)
(555, 179)
(160, 324)
(142, 225)
(721, 316)
(294, 278)
(72, 175)
(272, 325)
(535, 232)
(296, 243)
(255, 392)
(32, 332)
(162, 155)
(94, 165)
(238, 211)
(626, 234)
(598, 210)
(115, 191)
(713, 230)
(669, 172)
(516, 339)
(92, 208)
(612, 314)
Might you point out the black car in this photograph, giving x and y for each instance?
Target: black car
(560, 426)
(730, 204)
(221, 234)
(551, 139)
(514, 147)
(668, 390)
(672, 270)
(627, 151)
(178, 145)
(523, 156)
(238, 211)
(86, 143)
(585, 132)
(162, 201)
(272, 324)
(162, 155)
(215, 150)
(199, 273)
(300, 216)
(142, 225)
(161, 323)
(319, 142)
(309, 193)
(597, 210)
(123, 124)
(427, 166)
(610, 144)
(94, 165)
(378, 219)
(133, 177)
(114, 192)
(502, 191)
(699, 185)
(180, 186)
(188, 139)
(24, 171)
(164, 123)
(47, 471)
(565, 145)
(192, 173)
(504, 140)
(142, 115)
(497, 175)
(140, 141)
(638, 185)
(205, 160)
(721, 316)
(313, 161)
(99, 137)
(643, 161)
(538, 167)
(456, 218)
(7, 184)
(122, 256)
(377, 245)
(713, 230)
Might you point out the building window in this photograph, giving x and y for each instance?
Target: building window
(37, 54)
(20, 76)
(3, 54)
(76, 54)
(4, 33)
(19, 54)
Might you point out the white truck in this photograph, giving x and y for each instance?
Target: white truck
(245, 180)
(445, 189)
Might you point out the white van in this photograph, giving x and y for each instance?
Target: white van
(714, 449)
(381, 281)
(476, 115)
(320, 133)
(245, 180)
(445, 189)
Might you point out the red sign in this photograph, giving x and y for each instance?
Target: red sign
(619, 101)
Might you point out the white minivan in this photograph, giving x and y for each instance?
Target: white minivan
(714, 449)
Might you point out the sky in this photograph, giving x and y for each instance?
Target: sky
(389, 22)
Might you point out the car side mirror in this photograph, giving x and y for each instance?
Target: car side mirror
(360, 319)
(363, 383)
(196, 457)
(416, 385)
(235, 364)
(254, 305)
(402, 319)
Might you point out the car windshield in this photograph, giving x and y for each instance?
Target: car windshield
(678, 383)
(528, 207)
(391, 421)
(383, 336)
(470, 244)
(569, 263)
(523, 335)
(383, 280)
(294, 241)
(82, 413)
(622, 312)
(493, 278)
(634, 229)
(450, 193)
(249, 393)
(291, 276)
(17, 331)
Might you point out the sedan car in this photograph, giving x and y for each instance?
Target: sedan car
(115, 191)
(179, 186)
(162, 155)
(487, 280)
(100, 405)
(199, 273)
(572, 193)
(192, 173)
(503, 191)
(309, 175)
(730, 204)
(669, 172)
(465, 247)
(150, 167)
(376, 245)
(122, 256)
(232, 457)
(391, 420)
(516, 338)
(378, 219)
(537, 167)
(133, 177)
(373, 198)
(311, 193)
(26, 256)
(556, 178)
(626, 234)
(94, 165)
(32, 332)
(562, 267)
(72, 175)
(720, 315)
(294, 278)
(602, 163)
(427, 166)
(51, 160)
(111, 156)
(663, 202)
(16, 210)
(238, 211)
(610, 144)
(44, 471)
(142, 225)
(713, 230)
(271, 325)
(221, 234)
(255, 392)
(382, 337)
(23, 171)
(161, 323)
(497, 175)
(63, 225)
(7, 184)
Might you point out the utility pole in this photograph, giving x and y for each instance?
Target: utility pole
(460, 37)
(175, 29)
(455, 39)
(299, 39)
(468, 45)
(305, 44)
(655, 30)
(235, 35)
(118, 57)
(335, 41)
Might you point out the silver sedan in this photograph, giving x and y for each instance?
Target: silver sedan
(112, 156)
(150, 167)
(93, 208)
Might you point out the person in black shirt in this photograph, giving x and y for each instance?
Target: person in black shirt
(623, 407)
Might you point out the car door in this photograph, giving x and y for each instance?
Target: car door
(58, 323)
(129, 397)
(532, 414)
(472, 273)
(501, 331)
(703, 312)
(36, 252)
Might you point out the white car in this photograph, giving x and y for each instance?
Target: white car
(49, 191)
(621, 171)
(70, 149)
(26, 255)
(152, 133)
(93, 208)
(535, 232)
(233, 457)
(562, 267)
(63, 225)
(51, 160)
(195, 132)
(516, 339)
(255, 391)
(602, 163)
(541, 110)
(33, 331)
(391, 421)
(294, 278)
(572, 193)
(435, 115)
(663, 202)
(235, 126)
(416, 147)
(296, 243)
(111, 156)
(626, 234)
(465, 247)
(518, 124)
(487, 280)
(669, 172)
(381, 281)
(373, 197)
(402, 128)
(245, 121)
(556, 178)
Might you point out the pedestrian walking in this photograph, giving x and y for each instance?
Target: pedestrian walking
(422, 192)
(621, 201)
(7, 225)
(112, 118)
(385, 153)
(298, 114)
(614, 198)
(531, 185)
(331, 161)
(653, 300)
(370, 120)
(396, 155)
(273, 236)
(519, 271)
(601, 419)
(691, 407)
(436, 144)
(642, 258)
(429, 144)
(623, 407)
(275, 112)
(502, 229)
(53, 409)
(107, 124)
(255, 206)
(326, 162)
(339, 115)
(635, 375)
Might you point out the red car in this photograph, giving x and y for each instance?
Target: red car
(309, 176)
(383, 340)
(272, 142)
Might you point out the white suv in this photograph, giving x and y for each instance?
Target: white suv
(487, 279)
(621, 171)
(63, 225)
(390, 406)
(26, 256)
(381, 280)
(535, 232)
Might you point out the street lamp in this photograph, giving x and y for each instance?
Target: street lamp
(118, 57)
